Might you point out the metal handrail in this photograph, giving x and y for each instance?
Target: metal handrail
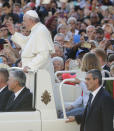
(61, 96)
(19, 68)
(108, 78)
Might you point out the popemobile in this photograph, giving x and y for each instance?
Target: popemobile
(44, 116)
(47, 102)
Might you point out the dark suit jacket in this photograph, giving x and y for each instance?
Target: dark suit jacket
(23, 102)
(100, 117)
(4, 97)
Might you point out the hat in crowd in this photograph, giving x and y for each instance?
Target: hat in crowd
(32, 13)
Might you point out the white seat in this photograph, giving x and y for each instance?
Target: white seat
(70, 93)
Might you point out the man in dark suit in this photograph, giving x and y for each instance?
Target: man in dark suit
(4, 92)
(21, 99)
(98, 115)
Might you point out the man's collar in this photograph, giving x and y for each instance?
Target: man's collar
(3, 88)
(96, 91)
(17, 93)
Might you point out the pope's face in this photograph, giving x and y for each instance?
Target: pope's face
(27, 22)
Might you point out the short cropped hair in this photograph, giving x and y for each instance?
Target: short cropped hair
(19, 76)
(96, 74)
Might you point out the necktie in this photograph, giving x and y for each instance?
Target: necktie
(11, 98)
(89, 104)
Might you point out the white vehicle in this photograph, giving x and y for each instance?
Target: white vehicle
(44, 117)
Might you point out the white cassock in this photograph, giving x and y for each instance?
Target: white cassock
(36, 48)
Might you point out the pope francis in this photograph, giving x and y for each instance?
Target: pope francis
(37, 47)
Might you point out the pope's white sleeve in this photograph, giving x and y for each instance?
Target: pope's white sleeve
(19, 39)
(40, 60)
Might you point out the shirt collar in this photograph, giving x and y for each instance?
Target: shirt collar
(94, 93)
(2, 88)
(34, 27)
(17, 93)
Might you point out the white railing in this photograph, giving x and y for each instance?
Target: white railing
(108, 78)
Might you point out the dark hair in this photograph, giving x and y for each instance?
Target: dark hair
(6, 4)
(96, 74)
(99, 30)
(5, 74)
(81, 31)
(111, 58)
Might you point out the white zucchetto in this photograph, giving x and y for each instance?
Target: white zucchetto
(32, 13)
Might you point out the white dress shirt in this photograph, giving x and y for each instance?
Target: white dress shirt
(1, 89)
(17, 93)
(94, 93)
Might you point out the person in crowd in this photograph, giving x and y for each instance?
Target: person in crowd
(102, 58)
(99, 35)
(98, 114)
(60, 38)
(58, 50)
(110, 59)
(72, 25)
(8, 10)
(58, 63)
(5, 93)
(21, 99)
(90, 30)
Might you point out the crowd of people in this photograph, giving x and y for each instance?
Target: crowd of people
(77, 27)
(72, 35)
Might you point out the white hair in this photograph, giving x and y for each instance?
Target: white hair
(59, 27)
(90, 26)
(58, 34)
(71, 19)
(57, 58)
